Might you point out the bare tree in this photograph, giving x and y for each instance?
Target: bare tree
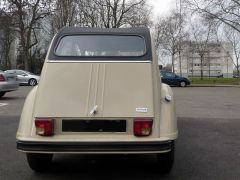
(64, 13)
(233, 38)
(201, 35)
(139, 16)
(113, 13)
(221, 11)
(87, 14)
(101, 13)
(27, 14)
(169, 35)
(6, 40)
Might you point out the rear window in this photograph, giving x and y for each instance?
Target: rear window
(101, 46)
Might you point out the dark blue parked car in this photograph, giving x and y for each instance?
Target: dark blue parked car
(173, 79)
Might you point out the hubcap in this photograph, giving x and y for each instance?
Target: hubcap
(32, 82)
(183, 84)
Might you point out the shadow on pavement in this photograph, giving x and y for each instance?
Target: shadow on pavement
(4, 98)
(103, 167)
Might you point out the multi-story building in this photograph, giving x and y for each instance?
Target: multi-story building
(216, 60)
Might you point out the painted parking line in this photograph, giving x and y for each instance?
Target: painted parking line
(3, 104)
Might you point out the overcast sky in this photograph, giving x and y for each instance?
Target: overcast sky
(161, 7)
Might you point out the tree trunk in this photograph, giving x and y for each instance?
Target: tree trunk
(201, 59)
(180, 62)
(192, 64)
(227, 67)
(209, 68)
(238, 73)
(26, 59)
(173, 68)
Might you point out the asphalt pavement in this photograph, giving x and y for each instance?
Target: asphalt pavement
(208, 146)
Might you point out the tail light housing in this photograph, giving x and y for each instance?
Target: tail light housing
(142, 127)
(2, 78)
(44, 126)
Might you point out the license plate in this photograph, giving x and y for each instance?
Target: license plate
(94, 125)
(11, 79)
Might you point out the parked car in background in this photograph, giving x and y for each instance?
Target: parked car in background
(25, 77)
(174, 80)
(8, 82)
(235, 76)
(109, 100)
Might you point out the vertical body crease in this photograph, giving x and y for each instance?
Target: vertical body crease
(89, 89)
(103, 86)
(96, 85)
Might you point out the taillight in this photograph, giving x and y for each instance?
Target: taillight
(44, 126)
(142, 127)
(2, 78)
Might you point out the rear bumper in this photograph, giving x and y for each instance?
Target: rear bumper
(8, 86)
(95, 147)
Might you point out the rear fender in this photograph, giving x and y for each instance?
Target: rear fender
(25, 124)
(168, 121)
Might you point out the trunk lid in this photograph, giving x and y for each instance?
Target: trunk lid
(10, 77)
(112, 89)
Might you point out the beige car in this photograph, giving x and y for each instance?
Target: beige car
(100, 93)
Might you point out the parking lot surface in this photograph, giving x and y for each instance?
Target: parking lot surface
(207, 148)
(208, 102)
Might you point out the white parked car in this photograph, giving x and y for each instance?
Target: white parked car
(25, 77)
(100, 93)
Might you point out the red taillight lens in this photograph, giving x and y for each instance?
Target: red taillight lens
(44, 127)
(143, 127)
(2, 78)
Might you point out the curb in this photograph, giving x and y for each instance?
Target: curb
(214, 85)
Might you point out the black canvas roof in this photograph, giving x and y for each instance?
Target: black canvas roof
(81, 30)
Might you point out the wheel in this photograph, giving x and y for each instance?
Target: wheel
(166, 160)
(2, 94)
(183, 84)
(32, 82)
(39, 162)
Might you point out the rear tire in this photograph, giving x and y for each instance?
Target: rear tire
(183, 84)
(39, 162)
(2, 94)
(166, 160)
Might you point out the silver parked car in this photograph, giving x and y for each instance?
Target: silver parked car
(25, 77)
(8, 82)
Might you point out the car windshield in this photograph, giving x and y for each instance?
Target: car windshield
(101, 45)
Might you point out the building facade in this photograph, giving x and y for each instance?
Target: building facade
(216, 60)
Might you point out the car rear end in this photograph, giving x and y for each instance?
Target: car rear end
(100, 108)
(103, 95)
(8, 82)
